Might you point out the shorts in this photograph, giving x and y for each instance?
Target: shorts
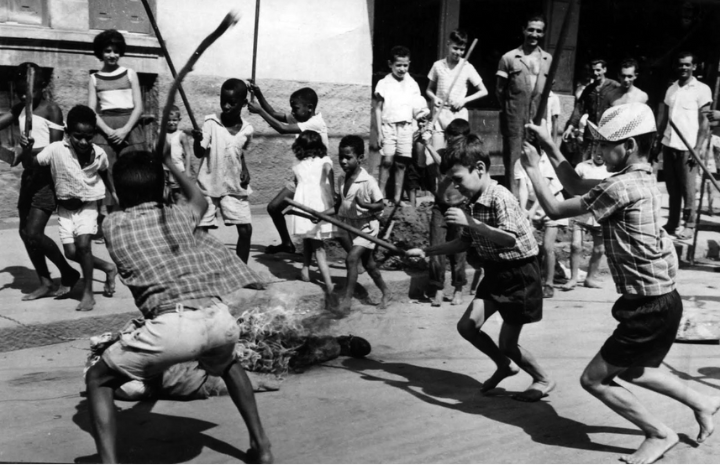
(208, 335)
(74, 223)
(36, 191)
(515, 287)
(367, 225)
(234, 210)
(648, 327)
(447, 116)
(397, 139)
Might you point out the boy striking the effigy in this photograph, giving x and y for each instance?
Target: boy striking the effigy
(643, 264)
(500, 233)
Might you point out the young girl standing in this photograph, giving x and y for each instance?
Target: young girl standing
(115, 91)
(314, 188)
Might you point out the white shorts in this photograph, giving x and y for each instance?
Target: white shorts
(367, 225)
(234, 210)
(397, 139)
(74, 223)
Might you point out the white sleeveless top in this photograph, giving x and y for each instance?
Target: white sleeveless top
(114, 90)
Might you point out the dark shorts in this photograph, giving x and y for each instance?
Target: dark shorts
(36, 191)
(648, 327)
(515, 288)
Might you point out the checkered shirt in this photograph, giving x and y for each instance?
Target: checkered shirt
(73, 181)
(641, 256)
(161, 275)
(498, 208)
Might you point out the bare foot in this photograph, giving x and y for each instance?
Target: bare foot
(705, 419)
(67, 282)
(569, 286)
(109, 288)
(43, 291)
(499, 375)
(86, 304)
(652, 448)
(592, 283)
(536, 391)
(438, 299)
(344, 305)
(457, 298)
(305, 274)
(385, 301)
(258, 454)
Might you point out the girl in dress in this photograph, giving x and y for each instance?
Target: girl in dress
(314, 183)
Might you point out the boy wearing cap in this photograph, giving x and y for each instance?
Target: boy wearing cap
(643, 265)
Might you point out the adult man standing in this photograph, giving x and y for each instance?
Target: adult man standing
(627, 92)
(521, 78)
(685, 102)
(595, 99)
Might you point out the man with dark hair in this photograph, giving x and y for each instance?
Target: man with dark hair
(686, 101)
(643, 265)
(627, 92)
(520, 81)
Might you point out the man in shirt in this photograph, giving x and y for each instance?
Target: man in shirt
(686, 100)
(627, 206)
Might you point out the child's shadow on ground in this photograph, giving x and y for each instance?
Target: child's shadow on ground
(539, 419)
(281, 265)
(24, 279)
(147, 437)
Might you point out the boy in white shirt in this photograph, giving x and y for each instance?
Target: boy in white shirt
(79, 171)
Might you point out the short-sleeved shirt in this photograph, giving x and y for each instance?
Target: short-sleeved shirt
(219, 173)
(443, 76)
(589, 170)
(547, 171)
(525, 76)
(314, 123)
(640, 254)
(73, 181)
(497, 207)
(594, 100)
(365, 187)
(399, 98)
(165, 260)
(684, 104)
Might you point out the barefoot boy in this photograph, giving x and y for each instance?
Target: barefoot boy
(178, 275)
(501, 235)
(79, 171)
(643, 265)
(302, 117)
(360, 202)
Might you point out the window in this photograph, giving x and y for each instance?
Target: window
(123, 15)
(27, 12)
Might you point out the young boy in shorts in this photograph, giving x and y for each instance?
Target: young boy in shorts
(500, 233)
(360, 200)
(395, 96)
(643, 265)
(79, 171)
(178, 275)
(175, 144)
(302, 117)
(223, 175)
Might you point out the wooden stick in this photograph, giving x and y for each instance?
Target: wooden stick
(230, 20)
(29, 98)
(346, 227)
(695, 156)
(255, 43)
(161, 41)
(562, 38)
(459, 67)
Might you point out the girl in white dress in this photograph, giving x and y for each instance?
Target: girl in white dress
(314, 183)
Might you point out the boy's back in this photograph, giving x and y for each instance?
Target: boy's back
(165, 260)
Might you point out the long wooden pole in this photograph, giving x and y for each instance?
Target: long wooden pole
(29, 98)
(255, 43)
(695, 156)
(346, 227)
(161, 41)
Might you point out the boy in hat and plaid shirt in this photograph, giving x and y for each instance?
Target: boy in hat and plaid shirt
(643, 265)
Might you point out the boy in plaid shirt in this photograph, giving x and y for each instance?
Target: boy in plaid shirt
(500, 233)
(178, 275)
(643, 265)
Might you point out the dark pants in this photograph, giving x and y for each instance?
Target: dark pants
(441, 232)
(680, 183)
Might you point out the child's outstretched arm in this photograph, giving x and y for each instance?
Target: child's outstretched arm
(279, 125)
(264, 104)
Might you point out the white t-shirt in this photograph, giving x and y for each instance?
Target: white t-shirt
(315, 123)
(399, 98)
(443, 76)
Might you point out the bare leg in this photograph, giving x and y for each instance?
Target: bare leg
(399, 180)
(319, 249)
(81, 252)
(575, 256)
(307, 260)
(509, 346)
(385, 167)
(599, 380)
(469, 326)
(241, 393)
(591, 280)
(275, 209)
(101, 383)
(242, 249)
(369, 262)
(549, 247)
(351, 263)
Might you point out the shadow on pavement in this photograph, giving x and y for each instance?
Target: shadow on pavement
(461, 392)
(705, 372)
(148, 437)
(24, 279)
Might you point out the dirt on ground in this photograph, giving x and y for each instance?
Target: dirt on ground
(9, 190)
